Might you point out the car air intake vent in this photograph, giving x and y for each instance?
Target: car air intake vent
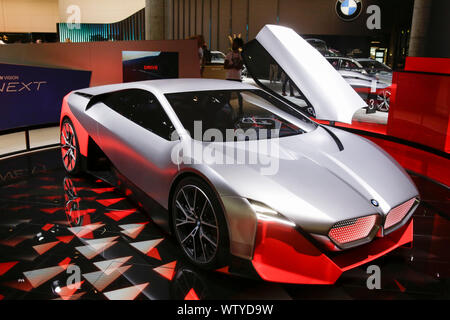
(352, 229)
(397, 214)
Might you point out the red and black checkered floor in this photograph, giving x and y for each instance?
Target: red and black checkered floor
(80, 238)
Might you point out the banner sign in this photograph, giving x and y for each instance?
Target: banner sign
(31, 95)
(149, 65)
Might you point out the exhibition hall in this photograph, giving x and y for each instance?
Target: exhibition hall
(244, 150)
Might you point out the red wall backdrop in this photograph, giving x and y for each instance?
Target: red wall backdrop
(420, 105)
(104, 59)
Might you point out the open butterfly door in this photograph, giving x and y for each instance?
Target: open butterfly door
(280, 61)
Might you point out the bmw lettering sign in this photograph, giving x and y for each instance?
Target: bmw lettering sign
(348, 10)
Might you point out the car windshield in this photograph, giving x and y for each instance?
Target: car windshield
(373, 65)
(238, 115)
(217, 55)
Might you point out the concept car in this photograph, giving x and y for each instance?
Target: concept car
(321, 200)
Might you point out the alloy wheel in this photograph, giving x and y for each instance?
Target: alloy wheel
(68, 146)
(196, 224)
(383, 101)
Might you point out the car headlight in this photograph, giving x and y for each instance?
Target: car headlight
(265, 213)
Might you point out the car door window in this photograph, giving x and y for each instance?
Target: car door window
(334, 63)
(348, 65)
(142, 108)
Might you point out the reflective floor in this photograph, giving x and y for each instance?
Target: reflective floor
(56, 230)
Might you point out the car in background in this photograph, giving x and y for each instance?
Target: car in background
(374, 67)
(347, 64)
(322, 47)
(374, 91)
(218, 57)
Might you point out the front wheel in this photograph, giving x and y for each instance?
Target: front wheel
(70, 151)
(199, 224)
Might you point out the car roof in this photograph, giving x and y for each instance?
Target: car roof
(172, 86)
(340, 57)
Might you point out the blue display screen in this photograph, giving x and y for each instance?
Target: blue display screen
(31, 95)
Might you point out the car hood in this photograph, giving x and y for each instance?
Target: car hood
(331, 96)
(312, 182)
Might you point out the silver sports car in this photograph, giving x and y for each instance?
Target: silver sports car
(237, 172)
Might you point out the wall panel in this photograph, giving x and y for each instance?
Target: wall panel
(261, 12)
(199, 21)
(239, 16)
(192, 15)
(28, 16)
(214, 24)
(319, 17)
(187, 16)
(98, 11)
(176, 17)
(168, 19)
(206, 21)
(224, 26)
(104, 58)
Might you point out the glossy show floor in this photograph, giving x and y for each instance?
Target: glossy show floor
(57, 230)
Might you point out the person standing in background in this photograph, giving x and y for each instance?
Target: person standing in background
(200, 42)
(273, 72)
(234, 62)
(285, 80)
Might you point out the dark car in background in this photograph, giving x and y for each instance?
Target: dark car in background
(322, 47)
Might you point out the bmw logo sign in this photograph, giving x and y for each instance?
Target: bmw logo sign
(374, 202)
(348, 10)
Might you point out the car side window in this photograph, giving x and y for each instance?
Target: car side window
(334, 63)
(143, 108)
(348, 65)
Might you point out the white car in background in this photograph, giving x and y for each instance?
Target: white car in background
(217, 57)
(372, 88)
(375, 68)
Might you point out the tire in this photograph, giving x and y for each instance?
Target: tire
(70, 149)
(200, 227)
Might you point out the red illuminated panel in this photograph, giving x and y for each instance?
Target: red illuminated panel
(398, 213)
(353, 229)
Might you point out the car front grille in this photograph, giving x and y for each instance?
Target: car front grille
(397, 214)
(350, 230)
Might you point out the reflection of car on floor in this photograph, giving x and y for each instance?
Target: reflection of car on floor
(72, 203)
(336, 201)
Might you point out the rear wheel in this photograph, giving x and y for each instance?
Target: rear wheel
(383, 101)
(199, 224)
(70, 151)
